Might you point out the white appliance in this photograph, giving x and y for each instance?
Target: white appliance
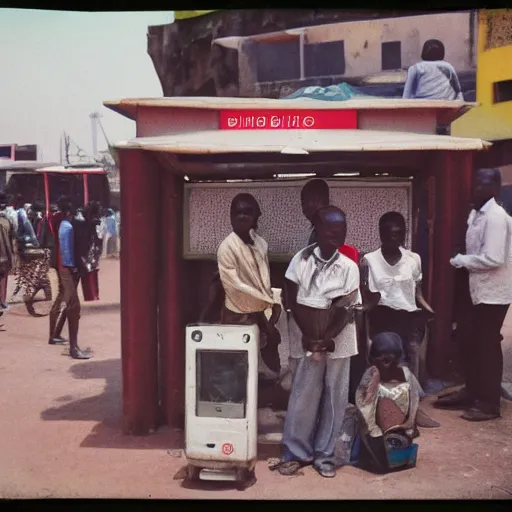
(221, 398)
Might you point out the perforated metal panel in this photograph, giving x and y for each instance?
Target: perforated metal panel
(282, 224)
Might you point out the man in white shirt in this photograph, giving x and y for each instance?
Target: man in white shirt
(320, 284)
(488, 260)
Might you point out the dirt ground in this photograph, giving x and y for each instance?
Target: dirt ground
(60, 432)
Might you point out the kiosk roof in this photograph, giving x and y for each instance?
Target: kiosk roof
(128, 107)
(301, 142)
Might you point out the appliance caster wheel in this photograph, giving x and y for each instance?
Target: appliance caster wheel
(245, 478)
(193, 473)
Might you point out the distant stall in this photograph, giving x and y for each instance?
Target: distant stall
(192, 155)
(61, 171)
(45, 182)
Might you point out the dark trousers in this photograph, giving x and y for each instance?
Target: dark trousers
(68, 293)
(482, 357)
(410, 326)
(3, 288)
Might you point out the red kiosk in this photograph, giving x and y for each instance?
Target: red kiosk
(191, 155)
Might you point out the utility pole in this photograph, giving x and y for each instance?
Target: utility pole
(94, 127)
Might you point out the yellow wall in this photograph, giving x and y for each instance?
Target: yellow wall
(491, 121)
(183, 15)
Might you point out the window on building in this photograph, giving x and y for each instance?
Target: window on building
(503, 91)
(5, 151)
(278, 61)
(391, 55)
(324, 59)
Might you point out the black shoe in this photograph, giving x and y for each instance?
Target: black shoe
(57, 341)
(458, 400)
(481, 412)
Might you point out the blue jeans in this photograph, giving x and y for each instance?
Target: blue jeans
(316, 409)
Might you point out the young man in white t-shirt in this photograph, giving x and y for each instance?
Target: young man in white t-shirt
(321, 286)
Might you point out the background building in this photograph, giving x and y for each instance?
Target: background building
(188, 65)
(16, 152)
(274, 64)
(492, 119)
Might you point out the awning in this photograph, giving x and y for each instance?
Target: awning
(300, 142)
(234, 42)
(60, 169)
(23, 165)
(128, 107)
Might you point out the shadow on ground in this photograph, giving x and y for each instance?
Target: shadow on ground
(42, 308)
(100, 308)
(106, 410)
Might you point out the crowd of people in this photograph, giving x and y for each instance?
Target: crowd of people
(70, 240)
(328, 284)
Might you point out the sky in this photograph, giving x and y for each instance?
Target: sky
(58, 67)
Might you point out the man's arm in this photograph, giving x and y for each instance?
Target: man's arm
(29, 229)
(370, 299)
(344, 316)
(410, 83)
(12, 236)
(228, 271)
(344, 304)
(290, 294)
(418, 276)
(454, 82)
(494, 251)
(291, 287)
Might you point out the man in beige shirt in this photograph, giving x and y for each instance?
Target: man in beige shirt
(244, 272)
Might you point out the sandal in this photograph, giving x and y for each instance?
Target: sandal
(325, 469)
(286, 467)
(79, 354)
(57, 341)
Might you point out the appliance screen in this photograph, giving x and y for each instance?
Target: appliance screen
(222, 380)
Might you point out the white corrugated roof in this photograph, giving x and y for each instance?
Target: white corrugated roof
(300, 141)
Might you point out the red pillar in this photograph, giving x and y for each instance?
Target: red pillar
(139, 290)
(171, 332)
(453, 181)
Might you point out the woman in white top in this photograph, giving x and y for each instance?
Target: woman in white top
(391, 287)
